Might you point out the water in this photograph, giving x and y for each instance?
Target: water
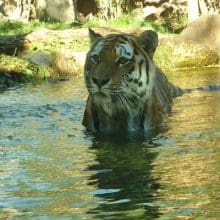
(50, 168)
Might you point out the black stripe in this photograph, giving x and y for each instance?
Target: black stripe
(147, 72)
(134, 45)
(135, 51)
(132, 69)
(123, 38)
(140, 84)
(142, 93)
(95, 118)
(140, 70)
(124, 48)
(121, 41)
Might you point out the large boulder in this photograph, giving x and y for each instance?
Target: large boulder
(205, 30)
(157, 9)
(58, 10)
(197, 46)
(63, 63)
(170, 55)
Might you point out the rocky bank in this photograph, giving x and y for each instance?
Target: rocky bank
(197, 46)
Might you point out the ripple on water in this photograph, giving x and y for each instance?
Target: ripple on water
(51, 169)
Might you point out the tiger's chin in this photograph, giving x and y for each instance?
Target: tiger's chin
(108, 104)
(109, 114)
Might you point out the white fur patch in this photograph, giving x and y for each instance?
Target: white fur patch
(124, 50)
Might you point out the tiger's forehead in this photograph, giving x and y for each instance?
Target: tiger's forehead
(121, 45)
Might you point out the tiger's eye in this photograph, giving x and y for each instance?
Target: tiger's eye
(94, 58)
(123, 60)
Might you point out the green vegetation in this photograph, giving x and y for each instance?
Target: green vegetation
(174, 25)
(55, 45)
(9, 27)
(22, 70)
(130, 21)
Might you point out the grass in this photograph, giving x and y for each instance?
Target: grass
(11, 27)
(130, 21)
(173, 25)
(18, 66)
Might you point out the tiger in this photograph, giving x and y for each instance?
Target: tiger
(127, 92)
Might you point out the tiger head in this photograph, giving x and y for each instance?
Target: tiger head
(119, 75)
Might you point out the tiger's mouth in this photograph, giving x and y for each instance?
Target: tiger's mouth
(100, 94)
(117, 98)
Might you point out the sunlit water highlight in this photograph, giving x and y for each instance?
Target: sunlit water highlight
(50, 168)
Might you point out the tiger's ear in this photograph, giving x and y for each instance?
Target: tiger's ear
(148, 40)
(93, 36)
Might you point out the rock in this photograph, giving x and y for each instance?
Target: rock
(40, 58)
(2, 87)
(59, 10)
(150, 13)
(155, 3)
(197, 46)
(67, 62)
(205, 30)
(11, 10)
(156, 9)
(5, 81)
(166, 10)
(171, 55)
(18, 70)
(194, 55)
(63, 63)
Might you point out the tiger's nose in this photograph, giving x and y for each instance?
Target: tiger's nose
(100, 82)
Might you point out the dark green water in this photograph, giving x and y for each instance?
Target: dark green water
(51, 169)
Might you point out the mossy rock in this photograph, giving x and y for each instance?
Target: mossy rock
(15, 70)
(170, 54)
(204, 30)
(197, 46)
(194, 55)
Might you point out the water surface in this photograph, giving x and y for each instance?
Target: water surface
(50, 168)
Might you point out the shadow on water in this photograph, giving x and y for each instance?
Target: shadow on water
(123, 177)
